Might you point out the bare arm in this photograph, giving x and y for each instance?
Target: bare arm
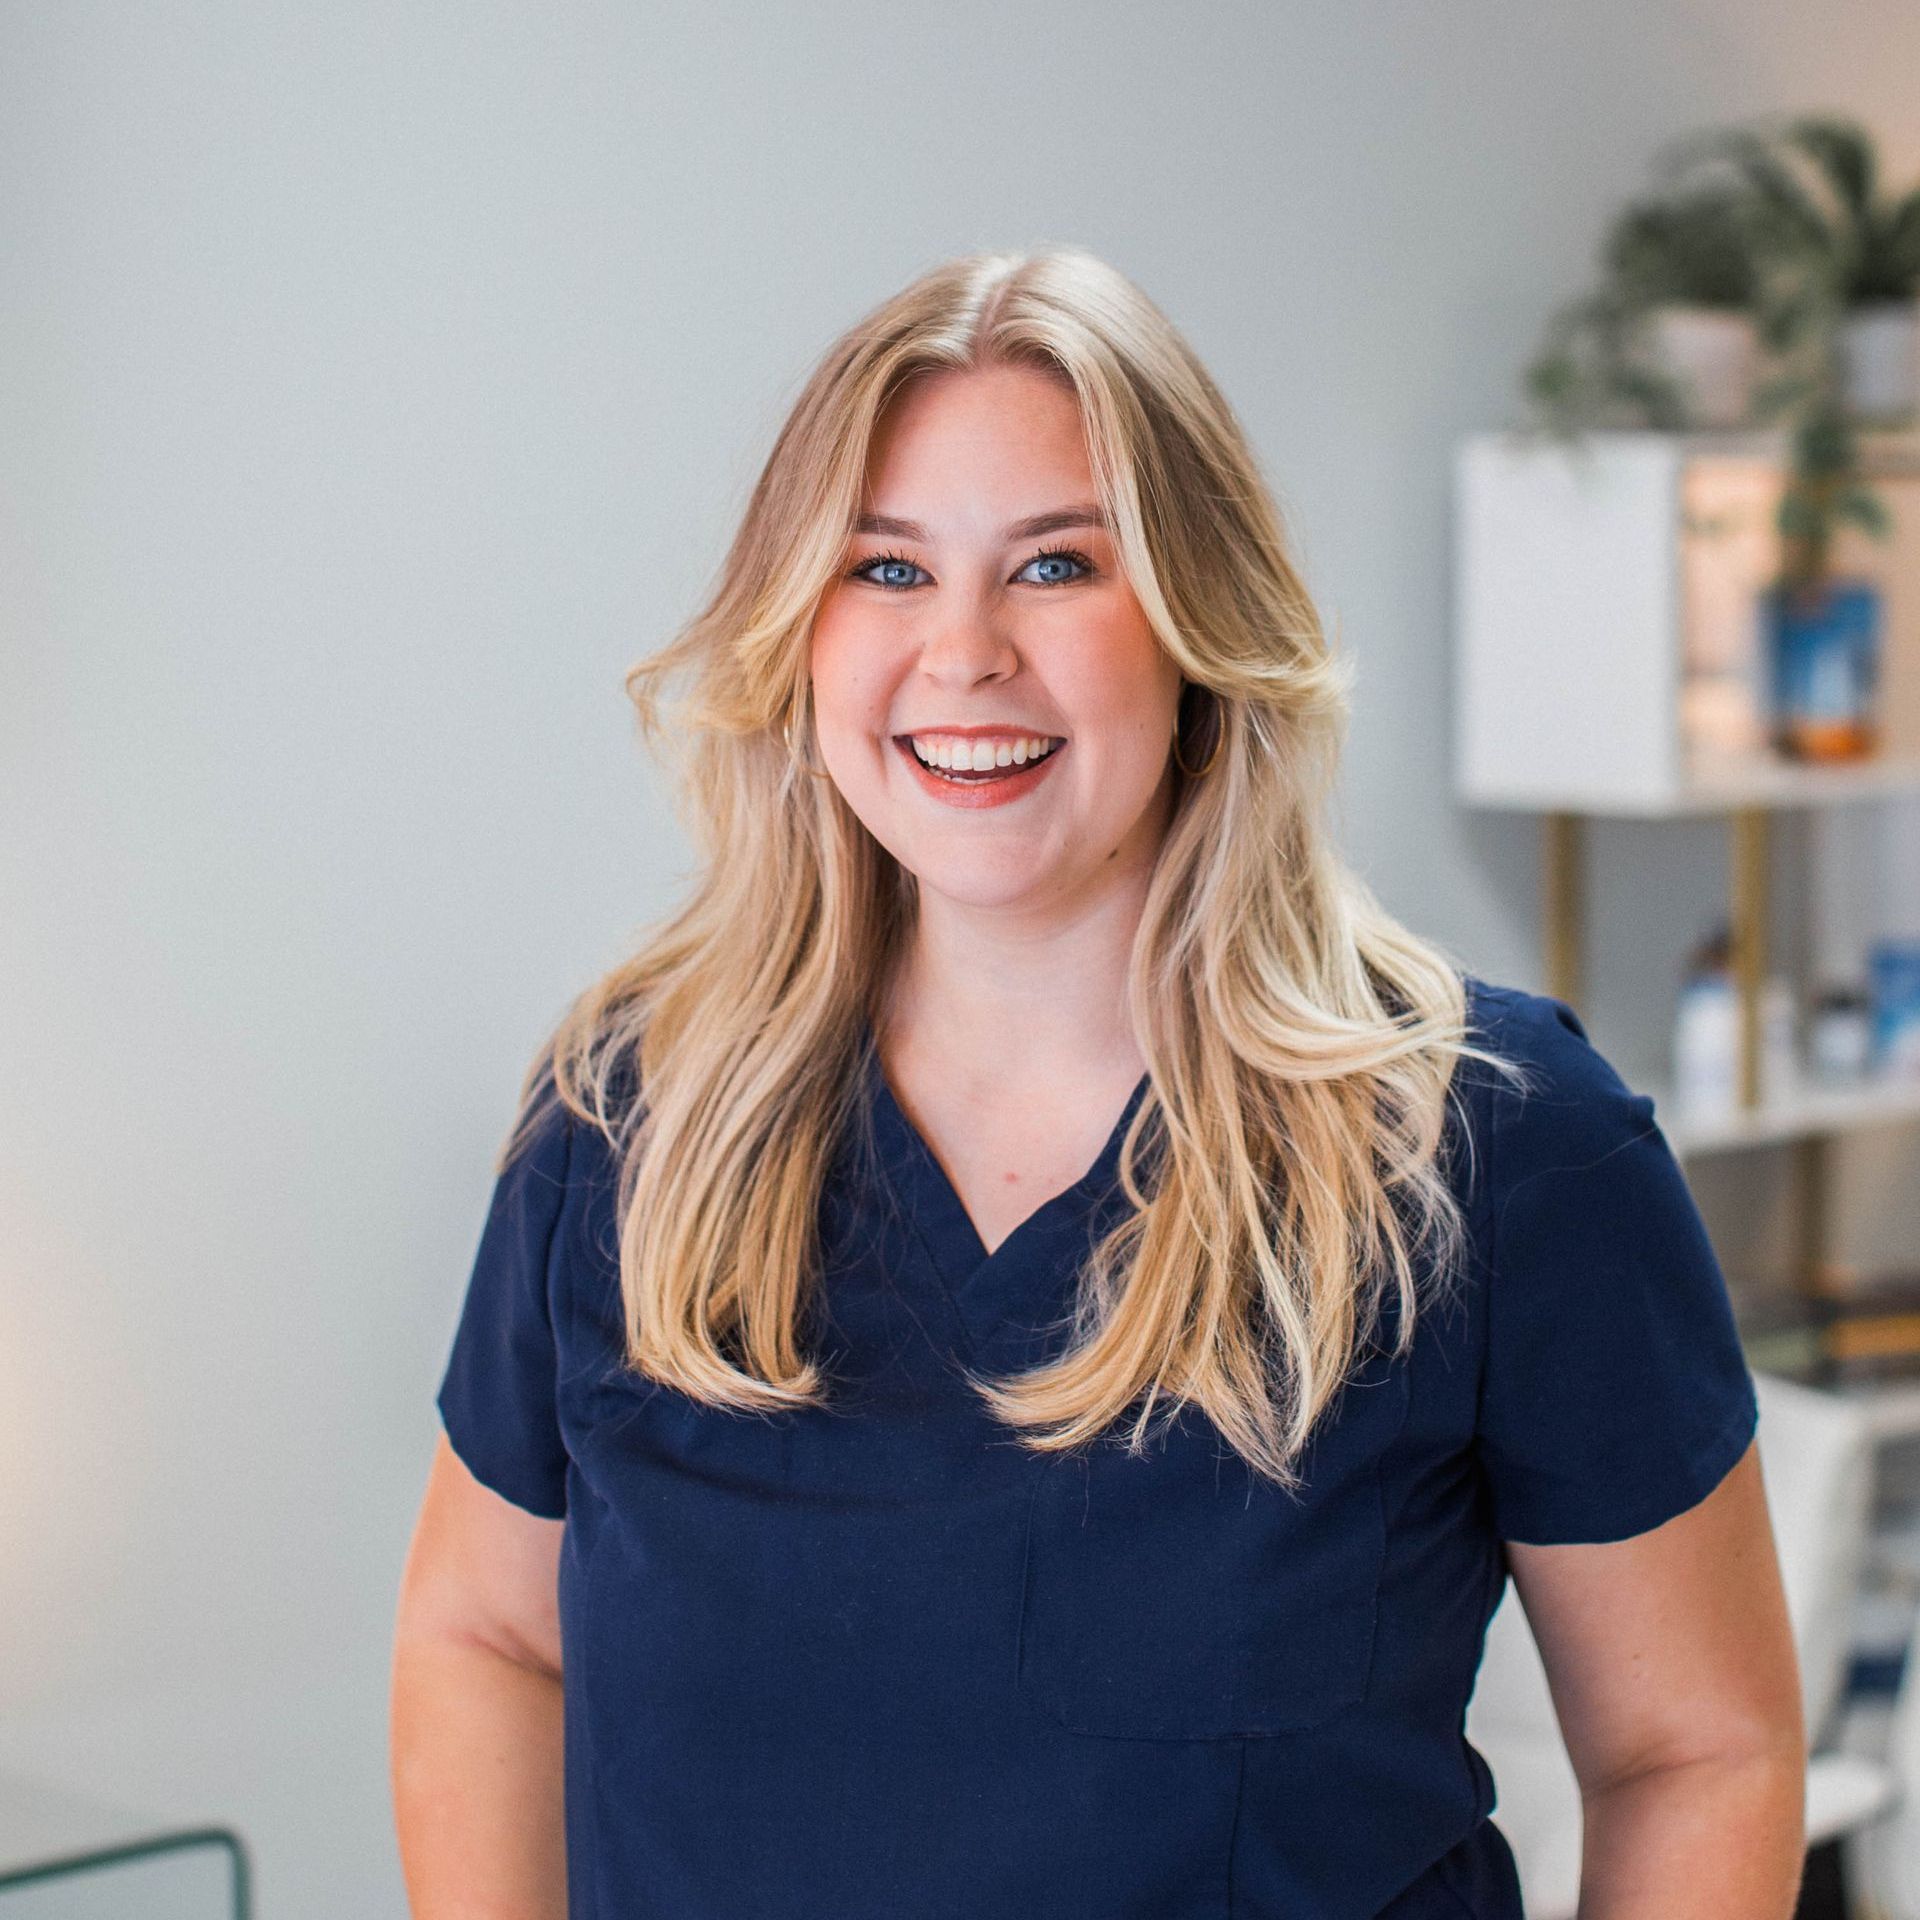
(476, 1707)
(1673, 1671)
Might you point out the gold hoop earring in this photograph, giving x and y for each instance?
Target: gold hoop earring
(1213, 752)
(786, 734)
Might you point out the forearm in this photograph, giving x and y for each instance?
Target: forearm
(1710, 1840)
(476, 1751)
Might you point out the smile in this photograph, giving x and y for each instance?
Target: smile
(973, 771)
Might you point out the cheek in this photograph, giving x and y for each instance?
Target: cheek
(850, 673)
(1120, 681)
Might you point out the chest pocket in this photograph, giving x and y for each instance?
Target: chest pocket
(1180, 1596)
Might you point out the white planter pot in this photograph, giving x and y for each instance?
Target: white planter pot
(1713, 356)
(1880, 352)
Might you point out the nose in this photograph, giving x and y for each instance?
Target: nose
(967, 648)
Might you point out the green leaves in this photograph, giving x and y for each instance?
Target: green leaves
(1814, 182)
(1697, 249)
(1889, 263)
(1587, 372)
(1866, 510)
(1780, 219)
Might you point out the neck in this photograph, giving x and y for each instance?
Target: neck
(982, 994)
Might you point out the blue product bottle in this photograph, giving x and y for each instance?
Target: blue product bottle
(1893, 971)
(1824, 645)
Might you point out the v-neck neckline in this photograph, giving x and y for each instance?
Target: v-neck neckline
(953, 1242)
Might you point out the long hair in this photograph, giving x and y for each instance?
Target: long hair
(1284, 1164)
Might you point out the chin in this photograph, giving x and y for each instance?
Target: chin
(982, 886)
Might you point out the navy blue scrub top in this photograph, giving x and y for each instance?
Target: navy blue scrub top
(878, 1662)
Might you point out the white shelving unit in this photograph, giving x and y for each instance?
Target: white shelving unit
(1610, 664)
(1608, 651)
(1805, 1112)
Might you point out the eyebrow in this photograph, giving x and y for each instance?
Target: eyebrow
(1055, 521)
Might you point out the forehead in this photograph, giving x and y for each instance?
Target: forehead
(995, 440)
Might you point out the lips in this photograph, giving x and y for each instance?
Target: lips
(991, 787)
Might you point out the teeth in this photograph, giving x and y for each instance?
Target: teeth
(958, 754)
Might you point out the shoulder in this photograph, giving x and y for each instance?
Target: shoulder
(555, 1144)
(1614, 1389)
(1539, 1029)
(1581, 1177)
(1562, 1095)
(532, 1162)
(1554, 1105)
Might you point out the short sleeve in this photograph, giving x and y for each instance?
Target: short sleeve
(497, 1398)
(1615, 1392)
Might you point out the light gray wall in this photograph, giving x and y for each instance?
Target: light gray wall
(377, 382)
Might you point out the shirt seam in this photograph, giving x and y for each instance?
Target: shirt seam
(1735, 1424)
(1450, 1885)
(1233, 1825)
(1496, 1210)
(591, 1786)
(558, 1309)
(1501, 1028)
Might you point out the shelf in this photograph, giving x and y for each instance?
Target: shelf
(1810, 1111)
(1729, 786)
(1786, 783)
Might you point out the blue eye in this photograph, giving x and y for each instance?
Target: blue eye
(897, 564)
(888, 560)
(1068, 554)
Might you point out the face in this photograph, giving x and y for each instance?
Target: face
(980, 621)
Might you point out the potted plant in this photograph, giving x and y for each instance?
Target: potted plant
(1671, 336)
(1816, 182)
(1784, 223)
(1849, 358)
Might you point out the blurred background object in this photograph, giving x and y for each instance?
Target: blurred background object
(67, 1858)
(1688, 590)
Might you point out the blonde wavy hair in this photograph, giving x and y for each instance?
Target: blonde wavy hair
(1282, 1167)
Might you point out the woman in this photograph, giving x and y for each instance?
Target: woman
(1018, 1339)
